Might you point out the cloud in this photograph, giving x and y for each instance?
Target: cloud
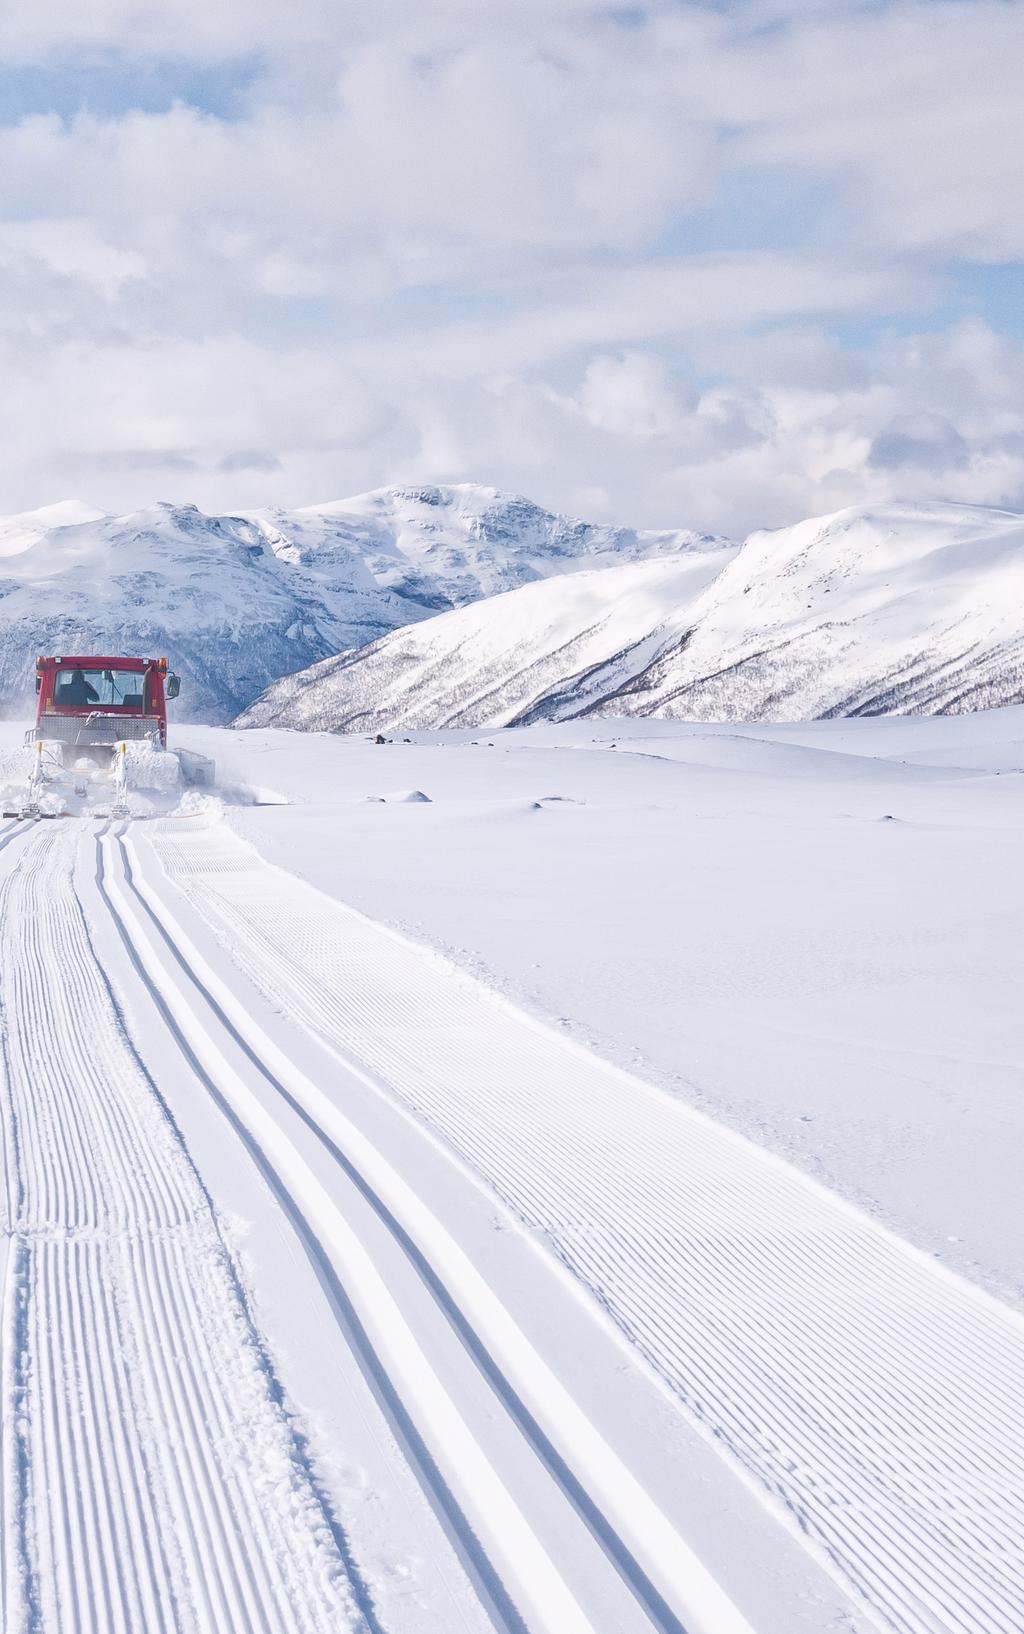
(677, 263)
(913, 109)
(30, 32)
(925, 442)
(249, 459)
(633, 395)
(121, 461)
(628, 436)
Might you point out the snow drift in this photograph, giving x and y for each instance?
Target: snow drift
(904, 609)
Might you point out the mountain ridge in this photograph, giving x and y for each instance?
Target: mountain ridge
(238, 599)
(875, 609)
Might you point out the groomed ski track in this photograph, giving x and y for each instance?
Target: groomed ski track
(152, 1480)
(516, 1495)
(871, 1396)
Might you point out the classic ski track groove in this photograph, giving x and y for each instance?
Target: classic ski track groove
(500, 1607)
(866, 1391)
(151, 1484)
(711, 1611)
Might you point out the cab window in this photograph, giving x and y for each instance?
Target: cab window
(104, 688)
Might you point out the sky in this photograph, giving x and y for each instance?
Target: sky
(719, 266)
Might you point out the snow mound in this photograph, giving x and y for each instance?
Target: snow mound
(15, 766)
(152, 769)
(15, 773)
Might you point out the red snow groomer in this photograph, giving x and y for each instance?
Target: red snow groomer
(88, 706)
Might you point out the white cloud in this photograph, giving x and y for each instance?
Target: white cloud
(633, 395)
(464, 240)
(228, 424)
(914, 110)
(31, 32)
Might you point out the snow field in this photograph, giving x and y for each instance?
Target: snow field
(870, 1395)
(494, 1308)
(729, 912)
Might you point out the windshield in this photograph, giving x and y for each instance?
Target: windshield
(105, 688)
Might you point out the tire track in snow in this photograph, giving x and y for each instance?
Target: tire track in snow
(151, 1483)
(871, 1394)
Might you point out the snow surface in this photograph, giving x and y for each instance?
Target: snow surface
(585, 1199)
(906, 609)
(811, 928)
(236, 601)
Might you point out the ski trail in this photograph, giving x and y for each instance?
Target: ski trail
(869, 1393)
(620, 1516)
(151, 1484)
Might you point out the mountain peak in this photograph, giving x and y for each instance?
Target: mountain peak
(240, 599)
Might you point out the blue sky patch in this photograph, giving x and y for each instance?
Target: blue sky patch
(111, 86)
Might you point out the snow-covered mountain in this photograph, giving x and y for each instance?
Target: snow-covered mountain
(444, 547)
(236, 601)
(542, 651)
(904, 609)
(908, 609)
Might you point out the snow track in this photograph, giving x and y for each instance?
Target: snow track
(474, 1485)
(150, 1480)
(870, 1396)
